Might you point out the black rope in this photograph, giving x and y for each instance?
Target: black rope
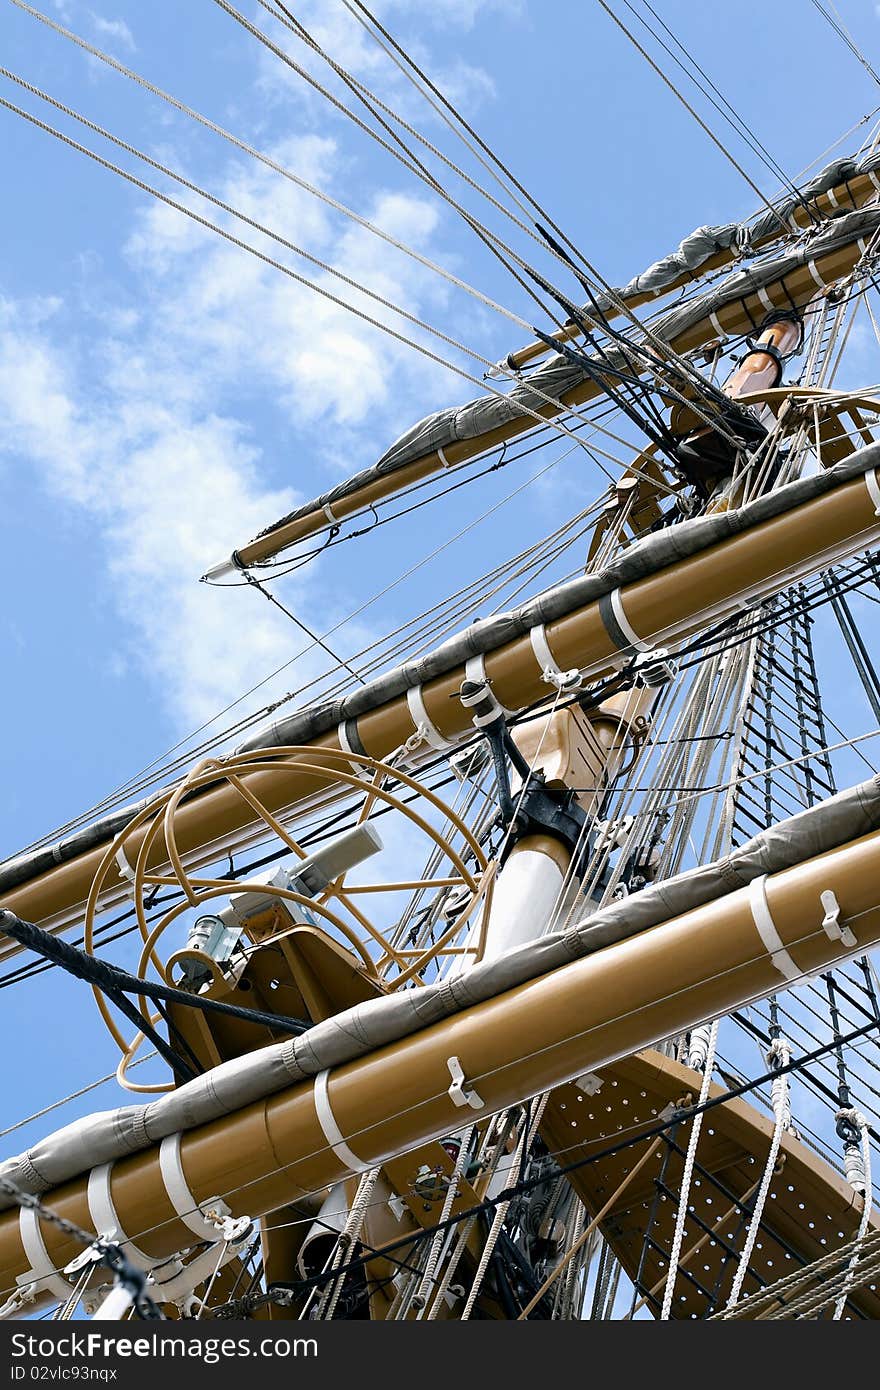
(112, 979)
(105, 1252)
(678, 1116)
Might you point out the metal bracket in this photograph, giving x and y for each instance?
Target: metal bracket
(234, 1229)
(563, 681)
(831, 921)
(93, 1254)
(654, 668)
(397, 1206)
(589, 1083)
(458, 1093)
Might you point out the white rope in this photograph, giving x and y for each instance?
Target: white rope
(779, 1052)
(859, 1176)
(346, 1243)
(501, 1210)
(420, 1299)
(684, 1191)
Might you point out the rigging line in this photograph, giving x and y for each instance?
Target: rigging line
(134, 782)
(280, 569)
(826, 1065)
(672, 788)
(809, 1079)
(316, 640)
(778, 767)
(75, 1095)
(666, 350)
(321, 832)
(863, 1031)
(113, 980)
(410, 161)
(547, 243)
(700, 122)
(731, 1072)
(302, 279)
(250, 221)
(736, 123)
(407, 60)
(684, 1114)
(525, 1185)
(295, 27)
(863, 120)
(843, 33)
(701, 644)
(273, 165)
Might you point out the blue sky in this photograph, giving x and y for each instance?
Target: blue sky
(163, 396)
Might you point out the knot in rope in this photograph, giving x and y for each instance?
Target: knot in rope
(852, 1127)
(778, 1055)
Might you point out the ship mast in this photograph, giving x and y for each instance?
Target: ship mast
(420, 1085)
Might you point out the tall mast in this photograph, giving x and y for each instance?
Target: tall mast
(444, 1091)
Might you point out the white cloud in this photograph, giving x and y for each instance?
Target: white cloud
(145, 418)
(349, 44)
(165, 492)
(114, 29)
(222, 307)
(142, 424)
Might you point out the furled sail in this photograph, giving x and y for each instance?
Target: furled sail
(670, 583)
(739, 305)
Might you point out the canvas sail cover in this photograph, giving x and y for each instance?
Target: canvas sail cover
(113, 1134)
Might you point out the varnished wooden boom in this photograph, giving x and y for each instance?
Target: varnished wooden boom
(794, 291)
(517, 1044)
(855, 193)
(660, 608)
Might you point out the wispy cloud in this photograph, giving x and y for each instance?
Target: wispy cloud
(143, 422)
(159, 414)
(352, 47)
(113, 29)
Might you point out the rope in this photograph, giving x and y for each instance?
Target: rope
(249, 221)
(273, 164)
(666, 351)
(778, 1054)
(699, 120)
(687, 1174)
(528, 1131)
(294, 275)
(74, 1095)
(346, 1243)
(843, 33)
(420, 1299)
(760, 1303)
(528, 1184)
(737, 124)
(858, 1173)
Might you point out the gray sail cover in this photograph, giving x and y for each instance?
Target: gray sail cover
(648, 556)
(558, 374)
(113, 1134)
(745, 237)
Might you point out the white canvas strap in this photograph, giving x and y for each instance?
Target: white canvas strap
(763, 920)
(422, 719)
(179, 1194)
(105, 1219)
(332, 1132)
